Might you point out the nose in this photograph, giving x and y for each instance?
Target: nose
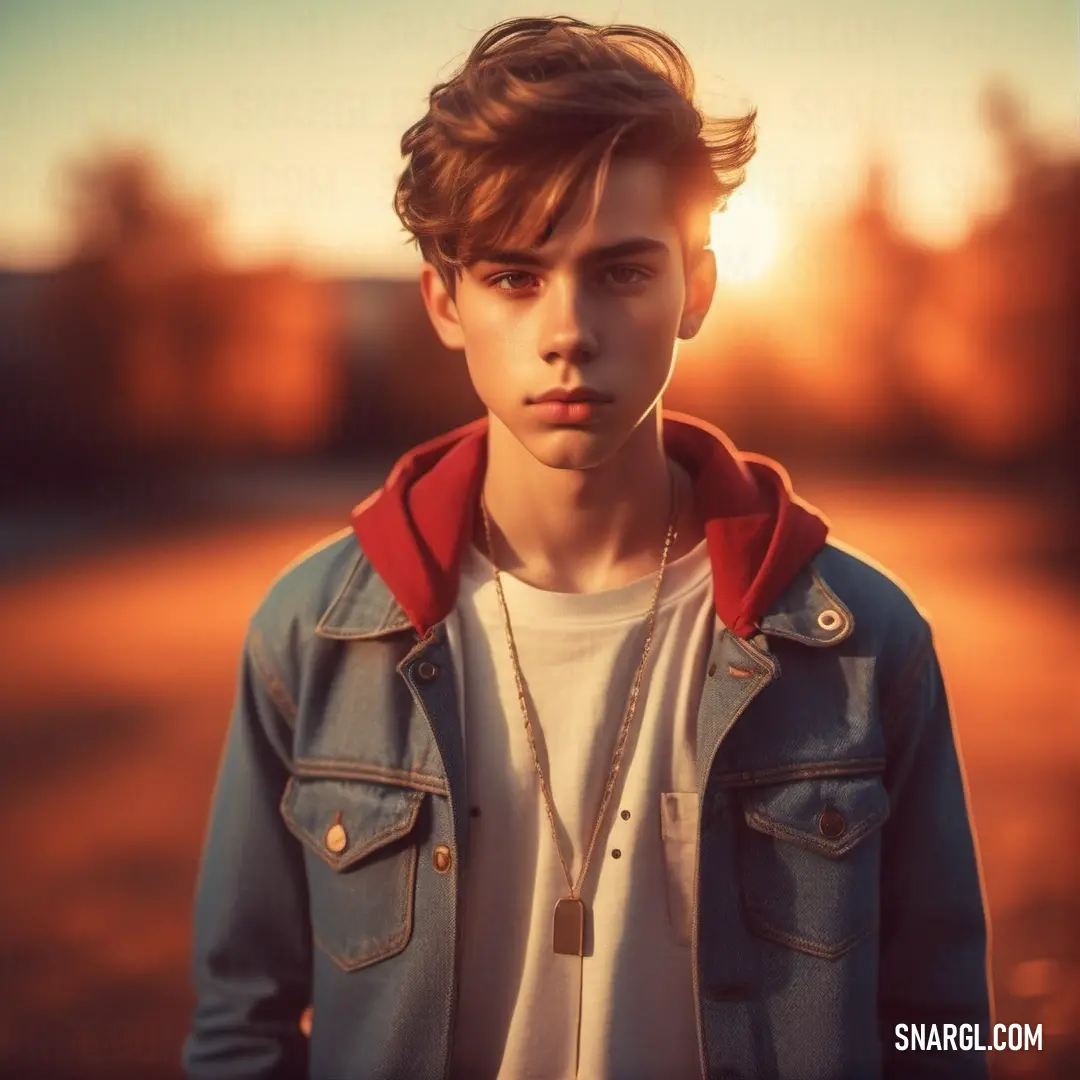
(566, 330)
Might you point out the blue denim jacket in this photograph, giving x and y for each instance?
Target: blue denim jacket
(837, 892)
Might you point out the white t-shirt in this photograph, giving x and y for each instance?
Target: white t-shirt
(522, 1008)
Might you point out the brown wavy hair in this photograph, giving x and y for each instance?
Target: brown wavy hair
(538, 106)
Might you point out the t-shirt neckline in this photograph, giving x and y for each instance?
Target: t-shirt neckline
(529, 603)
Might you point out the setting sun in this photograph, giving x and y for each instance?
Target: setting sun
(745, 237)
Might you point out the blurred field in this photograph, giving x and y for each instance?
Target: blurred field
(118, 653)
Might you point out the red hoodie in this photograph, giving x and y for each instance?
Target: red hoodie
(415, 528)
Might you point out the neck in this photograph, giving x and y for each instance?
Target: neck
(584, 530)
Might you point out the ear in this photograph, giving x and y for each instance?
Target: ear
(700, 287)
(441, 309)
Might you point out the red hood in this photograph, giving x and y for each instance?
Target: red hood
(415, 528)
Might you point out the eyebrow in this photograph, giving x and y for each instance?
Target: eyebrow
(638, 245)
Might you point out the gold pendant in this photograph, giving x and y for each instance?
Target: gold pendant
(569, 936)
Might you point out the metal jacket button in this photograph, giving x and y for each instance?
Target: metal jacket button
(832, 824)
(426, 671)
(336, 839)
(442, 858)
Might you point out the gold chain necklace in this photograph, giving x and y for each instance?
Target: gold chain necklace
(568, 936)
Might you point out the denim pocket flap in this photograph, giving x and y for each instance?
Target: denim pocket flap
(829, 816)
(343, 821)
(811, 856)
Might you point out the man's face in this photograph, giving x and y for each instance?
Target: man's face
(598, 306)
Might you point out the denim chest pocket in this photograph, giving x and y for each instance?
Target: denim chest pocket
(811, 854)
(361, 862)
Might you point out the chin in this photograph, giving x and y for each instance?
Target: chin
(571, 447)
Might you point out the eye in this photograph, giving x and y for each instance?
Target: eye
(622, 274)
(496, 282)
(624, 269)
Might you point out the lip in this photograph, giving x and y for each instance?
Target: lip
(578, 393)
(572, 412)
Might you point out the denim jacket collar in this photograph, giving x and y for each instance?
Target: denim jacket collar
(808, 610)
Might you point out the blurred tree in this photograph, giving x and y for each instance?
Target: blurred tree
(1019, 151)
(123, 213)
(998, 336)
(846, 287)
(158, 347)
(133, 243)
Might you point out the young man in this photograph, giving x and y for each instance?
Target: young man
(583, 752)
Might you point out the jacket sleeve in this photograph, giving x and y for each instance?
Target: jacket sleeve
(934, 932)
(251, 956)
